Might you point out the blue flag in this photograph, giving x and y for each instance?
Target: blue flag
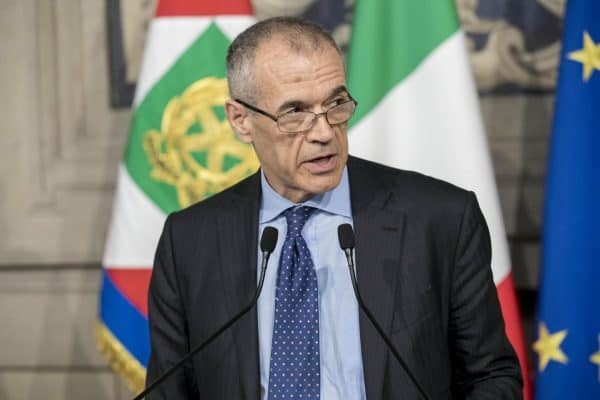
(568, 340)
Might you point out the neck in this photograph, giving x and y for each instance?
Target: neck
(296, 196)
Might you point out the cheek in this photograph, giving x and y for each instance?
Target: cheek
(343, 138)
(292, 150)
(280, 155)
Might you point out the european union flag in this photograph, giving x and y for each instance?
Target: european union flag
(568, 344)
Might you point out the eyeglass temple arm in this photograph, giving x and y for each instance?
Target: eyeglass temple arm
(255, 109)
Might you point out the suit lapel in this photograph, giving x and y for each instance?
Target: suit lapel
(379, 233)
(238, 231)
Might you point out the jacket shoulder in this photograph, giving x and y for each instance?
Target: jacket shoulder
(410, 186)
(247, 190)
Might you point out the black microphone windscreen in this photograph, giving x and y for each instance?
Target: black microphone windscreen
(346, 236)
(268, 240)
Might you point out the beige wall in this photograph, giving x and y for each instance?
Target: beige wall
(47, 350)
(60, 145)
(59, 149)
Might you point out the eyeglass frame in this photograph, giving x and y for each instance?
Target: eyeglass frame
(317, 115)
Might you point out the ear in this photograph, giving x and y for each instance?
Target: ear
(238, 118)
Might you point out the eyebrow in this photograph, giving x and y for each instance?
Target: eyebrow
(338, 90)
(301, 104)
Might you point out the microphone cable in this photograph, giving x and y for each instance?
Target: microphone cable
(347, 244)
(268, 241)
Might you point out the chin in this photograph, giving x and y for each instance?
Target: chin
(322, 184)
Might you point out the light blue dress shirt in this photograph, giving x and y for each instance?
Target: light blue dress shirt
(339, 334)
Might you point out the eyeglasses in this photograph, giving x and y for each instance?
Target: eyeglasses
(302, 121)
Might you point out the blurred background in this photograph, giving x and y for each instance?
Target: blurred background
(68, 72)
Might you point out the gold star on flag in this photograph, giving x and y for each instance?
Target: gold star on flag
(548, 346)
(595, 358)
(589, 56)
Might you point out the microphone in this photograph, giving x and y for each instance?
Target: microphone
(268, 240)
(347, 244)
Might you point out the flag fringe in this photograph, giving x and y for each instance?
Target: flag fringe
(120, 360)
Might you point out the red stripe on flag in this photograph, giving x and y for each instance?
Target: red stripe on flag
(133, 283)
(512, 319)
(178, 8)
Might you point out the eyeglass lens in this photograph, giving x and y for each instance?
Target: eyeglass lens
(303, 121)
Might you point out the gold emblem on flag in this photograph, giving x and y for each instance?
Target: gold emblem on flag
(196, 151)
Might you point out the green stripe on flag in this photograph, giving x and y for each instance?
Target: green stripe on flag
(204, 58)
(389, 40)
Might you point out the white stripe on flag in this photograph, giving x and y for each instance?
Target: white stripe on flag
(233, 25)
(168, 38)
(440, 135)
(135, 227)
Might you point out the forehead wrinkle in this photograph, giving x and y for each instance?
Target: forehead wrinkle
(283, 72)
(282, 62)
(329, 73)
(319, 74)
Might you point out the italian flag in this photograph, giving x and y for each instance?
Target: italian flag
(418, 110)
(180, 151)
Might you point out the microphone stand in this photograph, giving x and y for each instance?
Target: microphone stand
(265, 258)
(384, 336)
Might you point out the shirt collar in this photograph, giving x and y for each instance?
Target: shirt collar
(335, 201)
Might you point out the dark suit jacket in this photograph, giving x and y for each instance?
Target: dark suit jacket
(423, 261)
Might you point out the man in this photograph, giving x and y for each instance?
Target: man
(422, 254)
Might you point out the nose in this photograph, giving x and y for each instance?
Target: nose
(321, 130)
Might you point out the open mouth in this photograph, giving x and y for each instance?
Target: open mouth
(321, 164)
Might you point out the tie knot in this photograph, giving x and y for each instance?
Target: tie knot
(296, 218)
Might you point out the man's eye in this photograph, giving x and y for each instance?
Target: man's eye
(338, 100)
(292, 111)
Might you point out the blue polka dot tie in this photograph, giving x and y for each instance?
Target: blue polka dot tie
(295, 367)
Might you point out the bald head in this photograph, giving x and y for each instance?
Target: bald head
(296, 34)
